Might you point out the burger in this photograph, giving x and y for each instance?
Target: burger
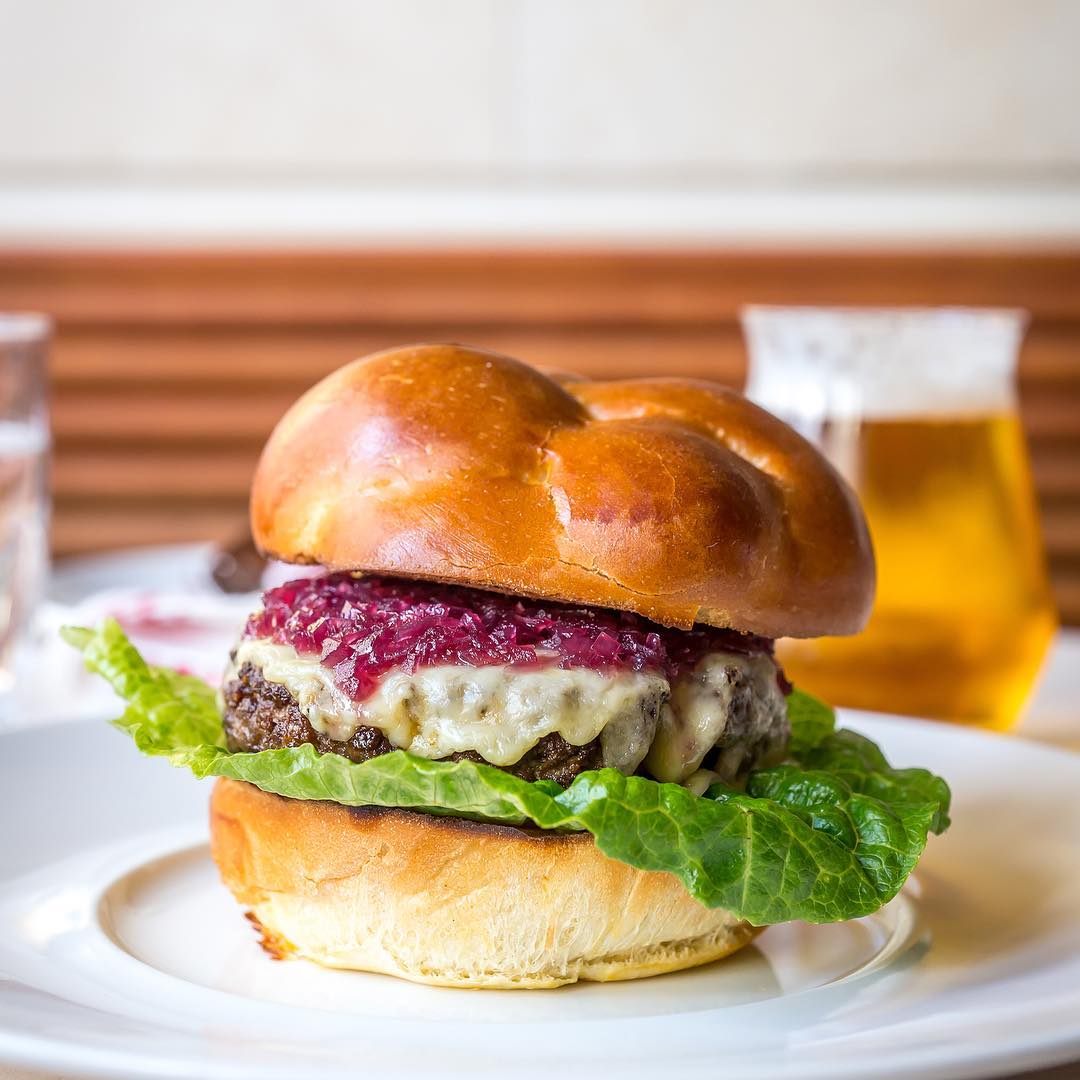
(519, 722)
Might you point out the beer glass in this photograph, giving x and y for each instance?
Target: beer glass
(917, 408)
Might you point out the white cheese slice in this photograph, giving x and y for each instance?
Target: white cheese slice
(498, 711)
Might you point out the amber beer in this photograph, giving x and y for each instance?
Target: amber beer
(917, 408)
(963, 615)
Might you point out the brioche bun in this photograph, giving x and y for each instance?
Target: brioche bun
(452, 902)
(677, 499)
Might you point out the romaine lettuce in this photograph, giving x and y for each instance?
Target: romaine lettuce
(832, 834)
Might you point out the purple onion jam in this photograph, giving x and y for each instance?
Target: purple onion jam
(363, 627)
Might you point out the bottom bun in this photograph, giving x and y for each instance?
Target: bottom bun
(453, 902)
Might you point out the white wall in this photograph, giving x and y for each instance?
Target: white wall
(837, 115)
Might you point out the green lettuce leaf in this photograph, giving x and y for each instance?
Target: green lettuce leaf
(812, 721)
(831, 834)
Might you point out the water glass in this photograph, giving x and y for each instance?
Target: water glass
(24, 504)
(917, 408)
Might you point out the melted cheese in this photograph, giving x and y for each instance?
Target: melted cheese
(498, 711)
(700, 712)
(728, 701)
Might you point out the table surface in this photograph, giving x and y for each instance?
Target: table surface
(1053, 715)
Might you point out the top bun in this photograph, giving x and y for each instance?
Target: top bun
(674, 498)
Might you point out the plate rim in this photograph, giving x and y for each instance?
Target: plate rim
(1016, 1053)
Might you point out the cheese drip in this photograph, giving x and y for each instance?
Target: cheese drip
(498, 711)
(727, 703)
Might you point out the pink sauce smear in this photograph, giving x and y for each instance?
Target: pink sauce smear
(360, 628)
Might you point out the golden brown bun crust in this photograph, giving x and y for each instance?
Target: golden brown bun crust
(451, 902)
(674, 498)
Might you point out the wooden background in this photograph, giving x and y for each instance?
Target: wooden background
(169, 369)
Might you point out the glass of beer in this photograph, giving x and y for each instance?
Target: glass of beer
(917, 408)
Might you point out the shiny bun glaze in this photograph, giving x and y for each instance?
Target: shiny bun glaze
(676, 499)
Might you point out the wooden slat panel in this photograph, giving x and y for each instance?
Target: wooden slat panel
(296, 356)
(81, 529)
(1056, 473)
(1061, 526)
(293, 357)
(1067, 594)
(1052, 417)
(134, 414)
(483, 288)
(170, 369)
(117, 474)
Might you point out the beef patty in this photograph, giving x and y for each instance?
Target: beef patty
(263, 715)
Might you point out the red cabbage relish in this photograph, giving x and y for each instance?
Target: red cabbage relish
(362, 627)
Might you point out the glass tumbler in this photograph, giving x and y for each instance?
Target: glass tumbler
(917, 409)
(24, 502)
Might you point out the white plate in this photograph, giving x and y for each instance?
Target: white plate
(121, 955)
